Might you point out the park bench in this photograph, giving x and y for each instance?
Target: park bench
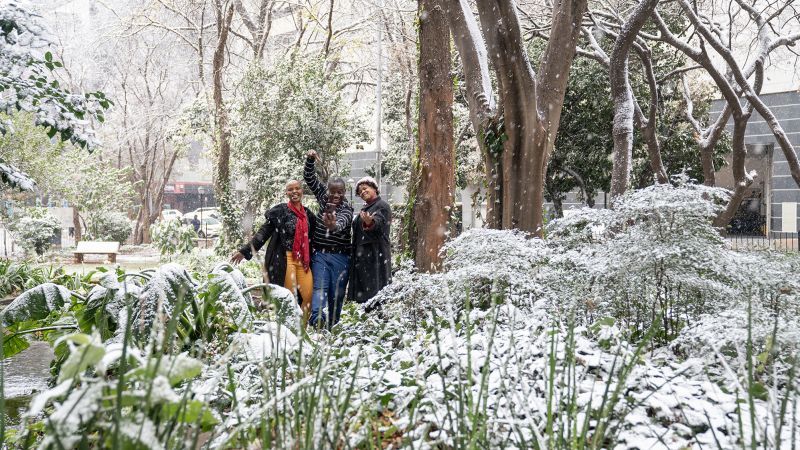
(96, 248)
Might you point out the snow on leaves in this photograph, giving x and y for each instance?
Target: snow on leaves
(27, 84)
(14, 178)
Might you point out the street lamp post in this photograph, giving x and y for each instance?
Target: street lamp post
(202, 191)
(350, 182)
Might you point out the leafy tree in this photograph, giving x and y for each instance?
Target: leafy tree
(27, 84)
(584, 144)
(93, 187)
(281, 113)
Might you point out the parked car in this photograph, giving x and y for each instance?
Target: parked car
(209, 227)
(171, 214)
(206, 212)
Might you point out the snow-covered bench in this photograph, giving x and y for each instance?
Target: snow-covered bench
(96, 248)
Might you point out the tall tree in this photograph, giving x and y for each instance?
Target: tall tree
(436, 161)
(222, 133)
(622, 94)
(517, 135)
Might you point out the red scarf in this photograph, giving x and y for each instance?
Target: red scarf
(300, 248)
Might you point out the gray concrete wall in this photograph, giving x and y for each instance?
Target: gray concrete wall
(785, 193)
(361, 161)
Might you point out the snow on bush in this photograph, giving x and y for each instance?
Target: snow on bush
(35, 232)
(171, 237)
(110, 226)
(632, 328)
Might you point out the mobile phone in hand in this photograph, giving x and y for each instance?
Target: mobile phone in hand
(330, 208)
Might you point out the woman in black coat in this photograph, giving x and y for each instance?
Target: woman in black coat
(371, 264)
(288, 229)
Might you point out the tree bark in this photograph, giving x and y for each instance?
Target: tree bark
(434, 198)
(480, 99)
(76, 224)
(650, 126)
(622, 96)
(222, 181)
(523, 128)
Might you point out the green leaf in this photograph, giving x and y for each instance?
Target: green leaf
(176, 369)
(191, 411)
(48, 57)
(759, 391)
(180, 368)
(36, 303)
(88, 352)
(13, 345)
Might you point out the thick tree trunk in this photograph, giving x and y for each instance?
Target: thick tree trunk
(622, 96)
(551, 85)
(517, 90)
(650, 126)
(530, 106)
(434, 198)
(741, 178)
(480, 97)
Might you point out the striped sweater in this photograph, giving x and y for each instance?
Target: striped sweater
(337, 240)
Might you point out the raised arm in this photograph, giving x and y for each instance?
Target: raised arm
(311, 179)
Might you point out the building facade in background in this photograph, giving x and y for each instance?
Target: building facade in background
(770, 205)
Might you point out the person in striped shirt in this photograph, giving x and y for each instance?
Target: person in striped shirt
(331, 247)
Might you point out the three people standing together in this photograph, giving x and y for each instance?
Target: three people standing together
(345, 249)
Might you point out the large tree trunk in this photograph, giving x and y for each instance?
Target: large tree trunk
(622, 95)
(741, 178)
(434, 197)
(517, 137)
(517, 90)
(480, 98)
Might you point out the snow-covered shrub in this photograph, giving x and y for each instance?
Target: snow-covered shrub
(197, 260)
(35, 232)
(654, 255)
(172, 237)
(110, 226)
(481, 265)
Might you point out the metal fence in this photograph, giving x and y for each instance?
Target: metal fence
(787, 242)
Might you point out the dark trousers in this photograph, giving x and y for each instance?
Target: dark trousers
(330, 281)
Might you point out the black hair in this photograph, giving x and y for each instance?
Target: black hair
(337, 180)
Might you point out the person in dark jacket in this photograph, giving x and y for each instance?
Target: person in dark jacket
(371, 267)
(331, 249)
(288, 259)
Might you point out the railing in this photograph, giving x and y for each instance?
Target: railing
(787, 242)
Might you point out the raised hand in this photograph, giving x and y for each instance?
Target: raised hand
(312, 154)
(366, 218)
(329, 220)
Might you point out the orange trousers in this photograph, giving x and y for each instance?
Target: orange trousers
(299, 281)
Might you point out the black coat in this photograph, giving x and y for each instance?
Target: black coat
(371, 264)
(279, 230)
